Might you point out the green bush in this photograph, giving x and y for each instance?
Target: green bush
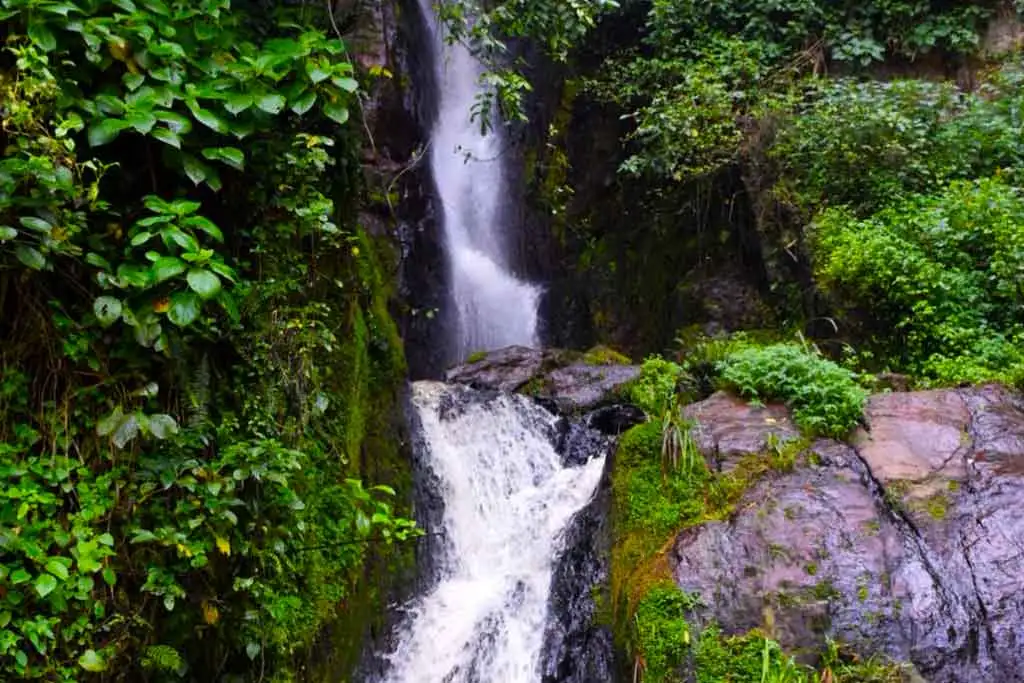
(825, 397)
(655, 390)
(939, 276)
(865, 145)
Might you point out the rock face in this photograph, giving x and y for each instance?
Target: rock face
(907, 543)
(559, 378)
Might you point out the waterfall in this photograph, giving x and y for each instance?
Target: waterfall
(508, 499)
(495, 309)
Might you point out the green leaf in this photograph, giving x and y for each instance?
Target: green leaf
(317, 72)
(229, 155)
(167, 267)
(126, 431)
(208, 118)
(336, 112)
(37, 224)
(20, 576)
(304, 103)
(345, 83)
(196, 170)
(185, 307)
(238, 103)
(30, 257)
(203, 282)
(105, 131)
(168, 137)
(109, 576)
(44, 584)
(108, 424)
(176, 122)
(107, 310)
(162, 426)
(42, 36)
(206, 225)
(7, 233)
(92, 662)
(272, 104)
(133, 81)
(252, 649)
(142, 122)
(58, 569)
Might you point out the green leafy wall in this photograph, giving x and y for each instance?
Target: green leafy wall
(199, 373)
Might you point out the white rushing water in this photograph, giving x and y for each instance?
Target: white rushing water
(507, 499)
(495, 309)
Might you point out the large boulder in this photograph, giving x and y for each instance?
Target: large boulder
(564, 379)
(907, 542)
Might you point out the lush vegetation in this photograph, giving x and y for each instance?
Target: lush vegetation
(197, 364)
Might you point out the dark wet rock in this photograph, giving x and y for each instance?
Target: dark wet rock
(578, 648)
(908, 543)
(615, 419)
(728, 427)
(555, 377)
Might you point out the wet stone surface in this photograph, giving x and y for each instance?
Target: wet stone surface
(908, 543)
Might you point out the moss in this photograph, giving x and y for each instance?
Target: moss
(603, 355)
(937, 506)
(476, 357)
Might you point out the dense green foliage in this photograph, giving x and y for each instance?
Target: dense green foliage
(825, 397)
(197, 364)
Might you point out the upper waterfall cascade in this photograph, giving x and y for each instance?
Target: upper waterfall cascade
(507, 498)
(495, 309)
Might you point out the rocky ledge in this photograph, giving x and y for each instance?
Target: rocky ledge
(907, 542)
(571, 382)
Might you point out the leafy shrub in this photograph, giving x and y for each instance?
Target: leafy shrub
(866, 144)
(825, 397)
(940, 275)
(655, 389)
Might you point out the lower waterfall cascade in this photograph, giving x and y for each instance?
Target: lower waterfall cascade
(507, 500)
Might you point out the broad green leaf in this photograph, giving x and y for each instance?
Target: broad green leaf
(142, 122)
(44, 584)
(30, 257)
(252, 649)
(105, 131)
(7, 233)
(196, 170)
(134, 275)
(133, 81)
(185, 307)
(37, 224)
(41, 35)
(168, 137)
(231, 156)
(58, 569)
(108, 424)
(5, 618)
(141, 238)
(345, 83)
(92, 662)
(109, 576)
(317, 71)
(224, 270)
(172, 234)
(272, 104)
(238, 103)
(206, 225)
(304, 103)
(162, 426)
(183, 207)
(61, 8)
(203, 282)
(107, 310)
(208, 118)
(176, 122)
(337, 112)
(128, 429)
(20, 576)
(167, 267)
